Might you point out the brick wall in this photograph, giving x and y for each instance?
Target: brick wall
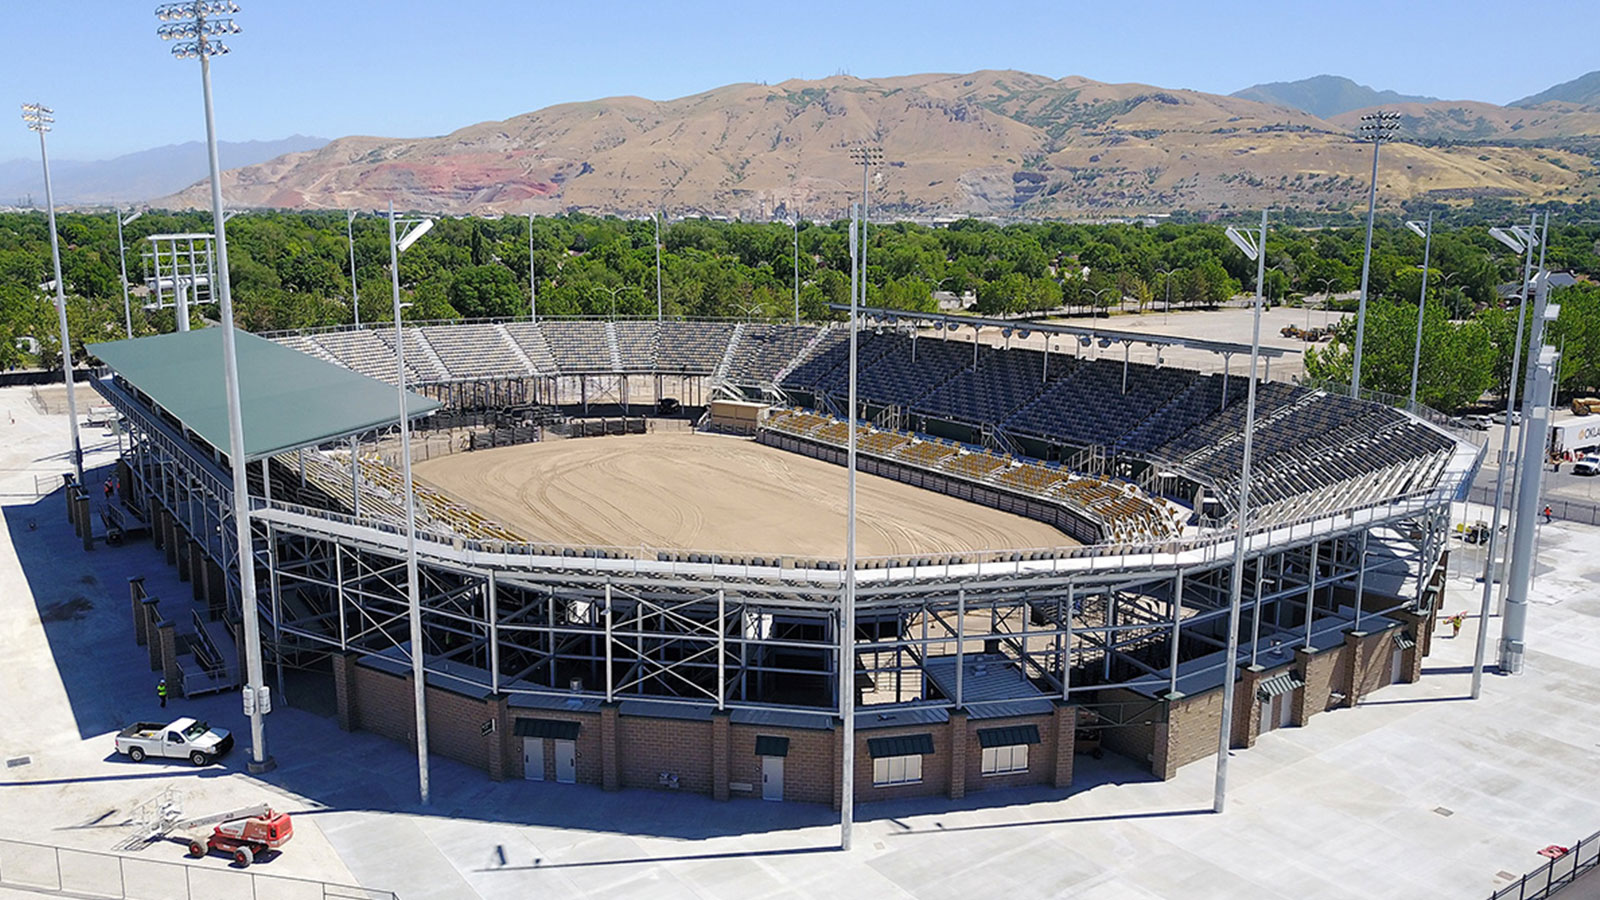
(588, 761)
(1041, 756)
(809, 771)
(1371, 662)
(1324, 674)
(935, 766)
(648, 747)
(1192, 724)
(454, 727)
(383, 705)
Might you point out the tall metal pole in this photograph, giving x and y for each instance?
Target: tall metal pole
(254, 682)
(657, 217)
(847, 611)
(1378, 126)
(39, 119)
(414, 603)
(349, 234)
(1534, 428)
(122, 261)
(797, 269)
(533, 277)
(1236, 585)
(1422, 306)
(1500, 477)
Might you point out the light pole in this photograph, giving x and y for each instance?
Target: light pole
(416, 229)
(1254, 246)
(1522, 242)
(122, 260)
(1376, 127)
(796, 224)
(1166, 278)
(657, 217)
(1096, 295)
(1326, 283)
(614, 291)
(866, 155)
(533, 278)
(39, 118)
(349, 235)
(847, 606)
(1426, 233)
(192, 26)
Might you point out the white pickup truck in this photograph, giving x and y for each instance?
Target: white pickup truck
(177, 739)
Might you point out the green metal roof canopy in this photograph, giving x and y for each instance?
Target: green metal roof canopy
(290, 400)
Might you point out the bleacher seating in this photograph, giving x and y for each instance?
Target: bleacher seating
(1002, 381)
(530, 340)
(696, 347)
(578, 345)
(365, 352)
(636, 344)
(910, 368)
(419, 357)
(1089, 406)
(763, 350)
(832, 352)
(474, 351)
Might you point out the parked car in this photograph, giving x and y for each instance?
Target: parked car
(177, 739)
(1588, 465)
(1499, 418)
(1479, 421)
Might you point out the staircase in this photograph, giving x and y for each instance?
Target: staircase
(721, 373)
(612, 346)
(434, 362)
(805, 353)
(516, 349)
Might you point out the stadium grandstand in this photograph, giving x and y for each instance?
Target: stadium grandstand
(686, 667)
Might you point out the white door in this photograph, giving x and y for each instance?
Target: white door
(1394, 666)
(1268, 720)
(533, 758)
(566, 762)
(1285, 710)
(772, 778)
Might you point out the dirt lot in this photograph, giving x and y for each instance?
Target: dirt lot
(692, 491)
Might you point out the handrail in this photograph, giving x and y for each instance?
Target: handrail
(1556, 874)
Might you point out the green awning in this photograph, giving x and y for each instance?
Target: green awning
(559, 729)
(770, 745)
(904, 745)
(1281, 683)
(1010, 736)
(290, 400)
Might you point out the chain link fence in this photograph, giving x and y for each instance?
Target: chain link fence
(1581, 511)
(89, 873)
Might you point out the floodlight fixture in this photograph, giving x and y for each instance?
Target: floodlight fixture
(1245, 243)
(1514, 241)
(1416, 228)
(1376, 128)
(417, 230)
(133, 218)
(38, 117)
(1379, 126)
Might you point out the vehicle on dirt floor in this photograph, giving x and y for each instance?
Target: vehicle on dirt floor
(178, 739)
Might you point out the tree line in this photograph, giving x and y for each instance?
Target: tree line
(292, 270)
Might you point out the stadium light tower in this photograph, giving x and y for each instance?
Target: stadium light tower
(122, 259)
(1520, 241)
(657, 217)
(416, 229)
(1376, 127)
(533, 277)
(1254, 245)
(867, 156)
(349, 236)
(196, 28)
(1426, 233)
(847, 605)
(39, 118)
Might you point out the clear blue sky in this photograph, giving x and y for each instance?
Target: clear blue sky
(408, 68)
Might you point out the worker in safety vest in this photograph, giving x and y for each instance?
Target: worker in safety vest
(161, 691)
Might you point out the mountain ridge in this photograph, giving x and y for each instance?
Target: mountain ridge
(1325, 95)
(141, 175)
(993, 142)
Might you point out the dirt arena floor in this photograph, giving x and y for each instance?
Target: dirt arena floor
(705, 492)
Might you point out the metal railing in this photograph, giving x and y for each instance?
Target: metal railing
(1555, 874)
(89, 873)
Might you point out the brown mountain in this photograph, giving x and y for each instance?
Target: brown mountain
(986, 143)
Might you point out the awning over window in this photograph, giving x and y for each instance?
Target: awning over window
(1009, 736)
(770, 745)
(559, 729)
(904, 745)
(1282, 683)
